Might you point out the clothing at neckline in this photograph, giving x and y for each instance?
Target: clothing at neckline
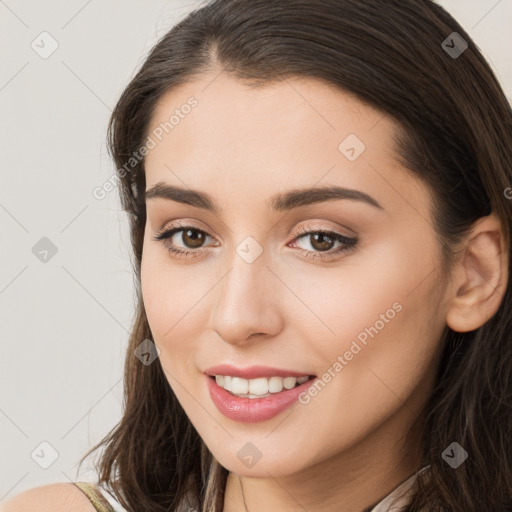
(101, 498)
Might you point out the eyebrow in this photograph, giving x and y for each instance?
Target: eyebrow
(280, 202)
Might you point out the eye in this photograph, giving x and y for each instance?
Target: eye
(192, 237)
(321, 241)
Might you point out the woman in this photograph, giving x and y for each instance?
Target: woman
(320, 204)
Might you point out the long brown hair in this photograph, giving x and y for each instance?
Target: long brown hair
(456, 137)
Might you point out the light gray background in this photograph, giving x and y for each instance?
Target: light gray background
(65, 322)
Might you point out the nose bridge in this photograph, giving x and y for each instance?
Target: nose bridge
(246, 297)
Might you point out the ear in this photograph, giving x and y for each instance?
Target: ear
(480, 276)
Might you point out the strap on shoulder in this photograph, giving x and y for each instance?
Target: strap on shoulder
(95, 497)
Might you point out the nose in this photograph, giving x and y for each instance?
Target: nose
(246, 302)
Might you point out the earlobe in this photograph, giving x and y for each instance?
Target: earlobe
(480, 277)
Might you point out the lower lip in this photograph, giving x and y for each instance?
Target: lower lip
(251, 410)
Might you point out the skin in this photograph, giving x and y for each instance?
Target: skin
(241, 146)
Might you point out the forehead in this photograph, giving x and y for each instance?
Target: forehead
(230, 110)
(243, 142)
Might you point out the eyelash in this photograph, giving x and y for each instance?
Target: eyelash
(349, 243)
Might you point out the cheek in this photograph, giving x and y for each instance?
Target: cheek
(377, 310)
(175, 305)
(387, 331)
(338, 304)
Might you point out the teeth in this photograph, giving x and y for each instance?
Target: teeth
(239, 386)
(275, 384)
(289, 382)
(257, 388)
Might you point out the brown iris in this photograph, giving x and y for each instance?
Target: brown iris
(196, 238)
(321, 238)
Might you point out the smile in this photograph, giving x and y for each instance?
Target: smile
(250, 407)
(260, 387)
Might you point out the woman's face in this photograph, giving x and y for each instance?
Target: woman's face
(266, 285)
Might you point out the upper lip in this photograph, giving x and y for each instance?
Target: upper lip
(253, 372)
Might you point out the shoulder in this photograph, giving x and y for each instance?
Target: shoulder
(58, 497)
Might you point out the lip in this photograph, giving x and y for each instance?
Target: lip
(253, 372)
(252, 410)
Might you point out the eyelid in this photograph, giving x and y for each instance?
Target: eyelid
(318, 226)
(184, 223)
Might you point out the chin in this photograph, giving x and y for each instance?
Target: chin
(247, 460)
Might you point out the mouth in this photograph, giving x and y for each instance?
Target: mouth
(259, 387)
(259, 398)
